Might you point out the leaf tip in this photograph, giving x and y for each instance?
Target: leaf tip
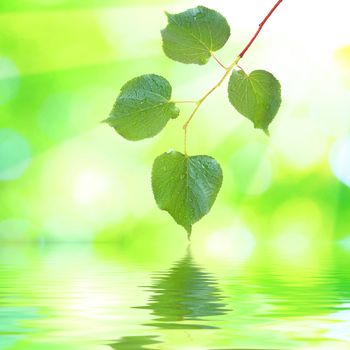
(264, 129)
(189, 231)
(105, 121)
(267, 132)
(168, 14)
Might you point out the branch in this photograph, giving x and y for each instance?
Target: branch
(260, 27)
(217, 60)
(228, 70)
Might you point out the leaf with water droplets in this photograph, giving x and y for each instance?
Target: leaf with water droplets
(257, 96)
(186, 187)
(191, 36)
(143, 107)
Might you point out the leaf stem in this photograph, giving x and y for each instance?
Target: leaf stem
(184, 101)
(200, 101)
(227, 72)
(218, 61)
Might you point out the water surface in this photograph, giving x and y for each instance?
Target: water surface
(95, 298)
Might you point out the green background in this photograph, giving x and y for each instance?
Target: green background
(65, 177)
(267, 268)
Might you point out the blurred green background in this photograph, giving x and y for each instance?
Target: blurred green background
(65, 177)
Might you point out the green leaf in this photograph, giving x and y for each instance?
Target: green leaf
(191, 36)
(143, 107)
(257, 96)
(186, 187)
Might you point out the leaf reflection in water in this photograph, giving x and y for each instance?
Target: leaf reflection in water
(185, 292)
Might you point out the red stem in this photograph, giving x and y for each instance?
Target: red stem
(260, 27)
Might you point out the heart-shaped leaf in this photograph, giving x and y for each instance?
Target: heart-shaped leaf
(191, 36)
(143, 107)
(186, 187)
(257, 96)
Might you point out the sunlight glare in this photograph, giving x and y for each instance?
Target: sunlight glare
(90, 185)
(234, 244)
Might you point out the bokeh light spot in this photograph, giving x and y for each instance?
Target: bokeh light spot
(297, 224)
(299, 142)
(340, 160)
(9, 80)
(55, 117)
(65, 227)
(342, 57)
(235, 244)
(15, 155)
(331, 118)
(14, 230)
(90, 186)
(251, 169)
(345, 243)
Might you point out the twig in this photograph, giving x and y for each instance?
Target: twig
(228, 70)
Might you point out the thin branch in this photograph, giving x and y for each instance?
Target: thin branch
(238, 66)
(218, 61)
(228, 70)
(184, 101)
(199, 102)
(260, 27)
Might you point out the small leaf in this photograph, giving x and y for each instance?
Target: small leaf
(191, 36)
(257, 96)
(143, 107)
(186, 187)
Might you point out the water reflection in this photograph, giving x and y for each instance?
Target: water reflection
(182, 297)
(71, 298)
(183, 293)
(135, 343)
